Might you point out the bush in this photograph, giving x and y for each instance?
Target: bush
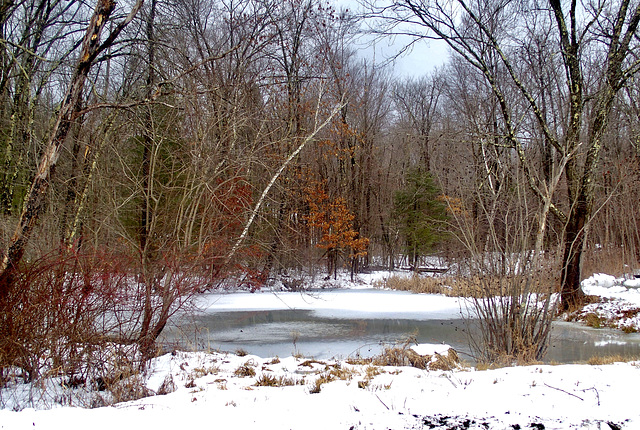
(403, 355)
(90, 319)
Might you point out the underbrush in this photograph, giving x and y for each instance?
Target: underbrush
(107, 376)
(610, 260)
(420, 284)
(607, 313)
(75, 322)
(471, 286)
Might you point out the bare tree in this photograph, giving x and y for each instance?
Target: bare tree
(484, 34)
(92, 46)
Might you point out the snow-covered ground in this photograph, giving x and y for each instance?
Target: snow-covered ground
(620, 305)
(221, 390)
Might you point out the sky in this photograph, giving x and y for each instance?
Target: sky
(421, 59)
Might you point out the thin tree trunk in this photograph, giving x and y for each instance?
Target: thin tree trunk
(273, 180)
(37, 196)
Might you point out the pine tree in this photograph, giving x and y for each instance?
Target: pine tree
(420, 214)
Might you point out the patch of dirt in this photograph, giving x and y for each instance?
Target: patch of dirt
(446, 422)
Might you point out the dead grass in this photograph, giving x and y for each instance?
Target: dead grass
(241, 352)
(267, 380)
(316, 387)
(199, 372)
(472, 286)
(245, 371)
(610, 359)
(125, 385)
(342, 373)
(310, 363)
(594, 320)
(403, 355)
(615, 320)
(418, 284)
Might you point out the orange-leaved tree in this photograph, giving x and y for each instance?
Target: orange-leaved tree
(334, 222)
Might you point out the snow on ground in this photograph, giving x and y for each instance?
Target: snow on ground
(620, 306)
(217, 390)
(221, 390)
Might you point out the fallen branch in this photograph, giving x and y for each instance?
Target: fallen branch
(566, 392)
(597, 394)
(383, 404)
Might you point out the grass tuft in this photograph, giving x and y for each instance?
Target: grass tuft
(245, 371)
(267, 380)
(403, 355)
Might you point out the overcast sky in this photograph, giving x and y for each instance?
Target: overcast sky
(419, 60)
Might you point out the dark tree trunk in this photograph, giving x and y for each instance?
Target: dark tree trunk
(571, 293)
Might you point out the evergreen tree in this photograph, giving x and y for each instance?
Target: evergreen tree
(420, 214)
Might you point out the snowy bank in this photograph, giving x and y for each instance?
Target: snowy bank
(228, 391)
(620, 305)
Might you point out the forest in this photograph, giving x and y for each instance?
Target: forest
(152, 150)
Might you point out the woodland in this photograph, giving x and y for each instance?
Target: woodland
(153, 150)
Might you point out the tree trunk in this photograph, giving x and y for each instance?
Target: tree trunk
(36, 198)
(571, 293)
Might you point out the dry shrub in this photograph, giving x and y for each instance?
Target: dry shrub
(445, 362)
(88, 318)
(514, 312)
(330, 373)
(359, 361)
(594, 320)
(267, 380)
(421, 284)
(479, 286)
(125, 385)
(403, 355)
(343, 373)
(241, 352)
(56, 317)
(417, 284)
(244, 371)
(200, 372)
(468, 286)
(316, 387)
(310, 363)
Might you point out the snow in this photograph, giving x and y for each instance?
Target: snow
(621, 307)
(613, 288)
(343, 303)
(431, 349)
(217, 389)
(210, 394)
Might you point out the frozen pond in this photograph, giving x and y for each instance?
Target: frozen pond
(342, 323)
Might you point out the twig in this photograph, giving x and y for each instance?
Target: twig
(566, 392)
(597, 394)
(382, 402)
(446, 375)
